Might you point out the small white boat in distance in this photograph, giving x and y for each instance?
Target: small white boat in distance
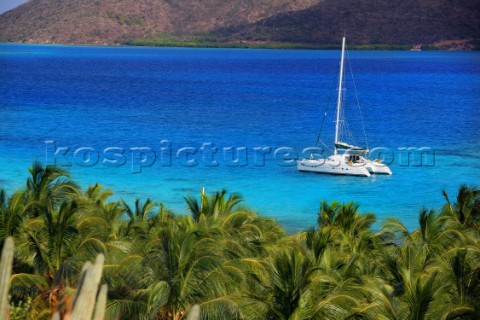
(347, 159)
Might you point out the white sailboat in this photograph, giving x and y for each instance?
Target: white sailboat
(347, 159)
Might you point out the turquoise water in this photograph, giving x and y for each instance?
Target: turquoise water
(104, 97)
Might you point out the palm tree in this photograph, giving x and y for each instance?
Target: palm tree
(218, 215)
(97, 195)
(212, 207)
(339, 285)
(426, 271)
(277, 284)
(47, 248)
(141, 217)
(290, 284)
(466, 209)
(345, 216)
(353, 228)
(12, 214)
(48, 187)
(383, 303)
(460, 273)
(51, 250)
(434, 236)
(180, 268)
(96, 205)
(406, 285)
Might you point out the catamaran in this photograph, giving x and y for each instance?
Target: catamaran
(347, 159)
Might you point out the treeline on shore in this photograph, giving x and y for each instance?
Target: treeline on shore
(211, 41)
(205, 43)
(233, 263)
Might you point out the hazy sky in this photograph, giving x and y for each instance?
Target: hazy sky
(6, 5)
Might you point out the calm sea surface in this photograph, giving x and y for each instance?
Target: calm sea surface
(102, 101)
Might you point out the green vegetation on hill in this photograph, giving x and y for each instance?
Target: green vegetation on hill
(192, 43)
(233, 263)
(209, 41)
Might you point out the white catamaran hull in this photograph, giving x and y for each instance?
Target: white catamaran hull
(335, 164)
(377, 167)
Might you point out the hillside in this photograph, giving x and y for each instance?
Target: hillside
(365, 22)
(444, 23)
(114, 21)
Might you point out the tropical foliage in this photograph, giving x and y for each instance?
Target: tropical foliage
(233, 263)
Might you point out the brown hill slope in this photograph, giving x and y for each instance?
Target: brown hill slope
(113, 21)
(317, 22)
(404, 22)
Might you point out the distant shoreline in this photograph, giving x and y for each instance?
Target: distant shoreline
(244, 45)
(258, 45)
(202, 42)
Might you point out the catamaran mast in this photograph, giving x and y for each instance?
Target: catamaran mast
(339, 101)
